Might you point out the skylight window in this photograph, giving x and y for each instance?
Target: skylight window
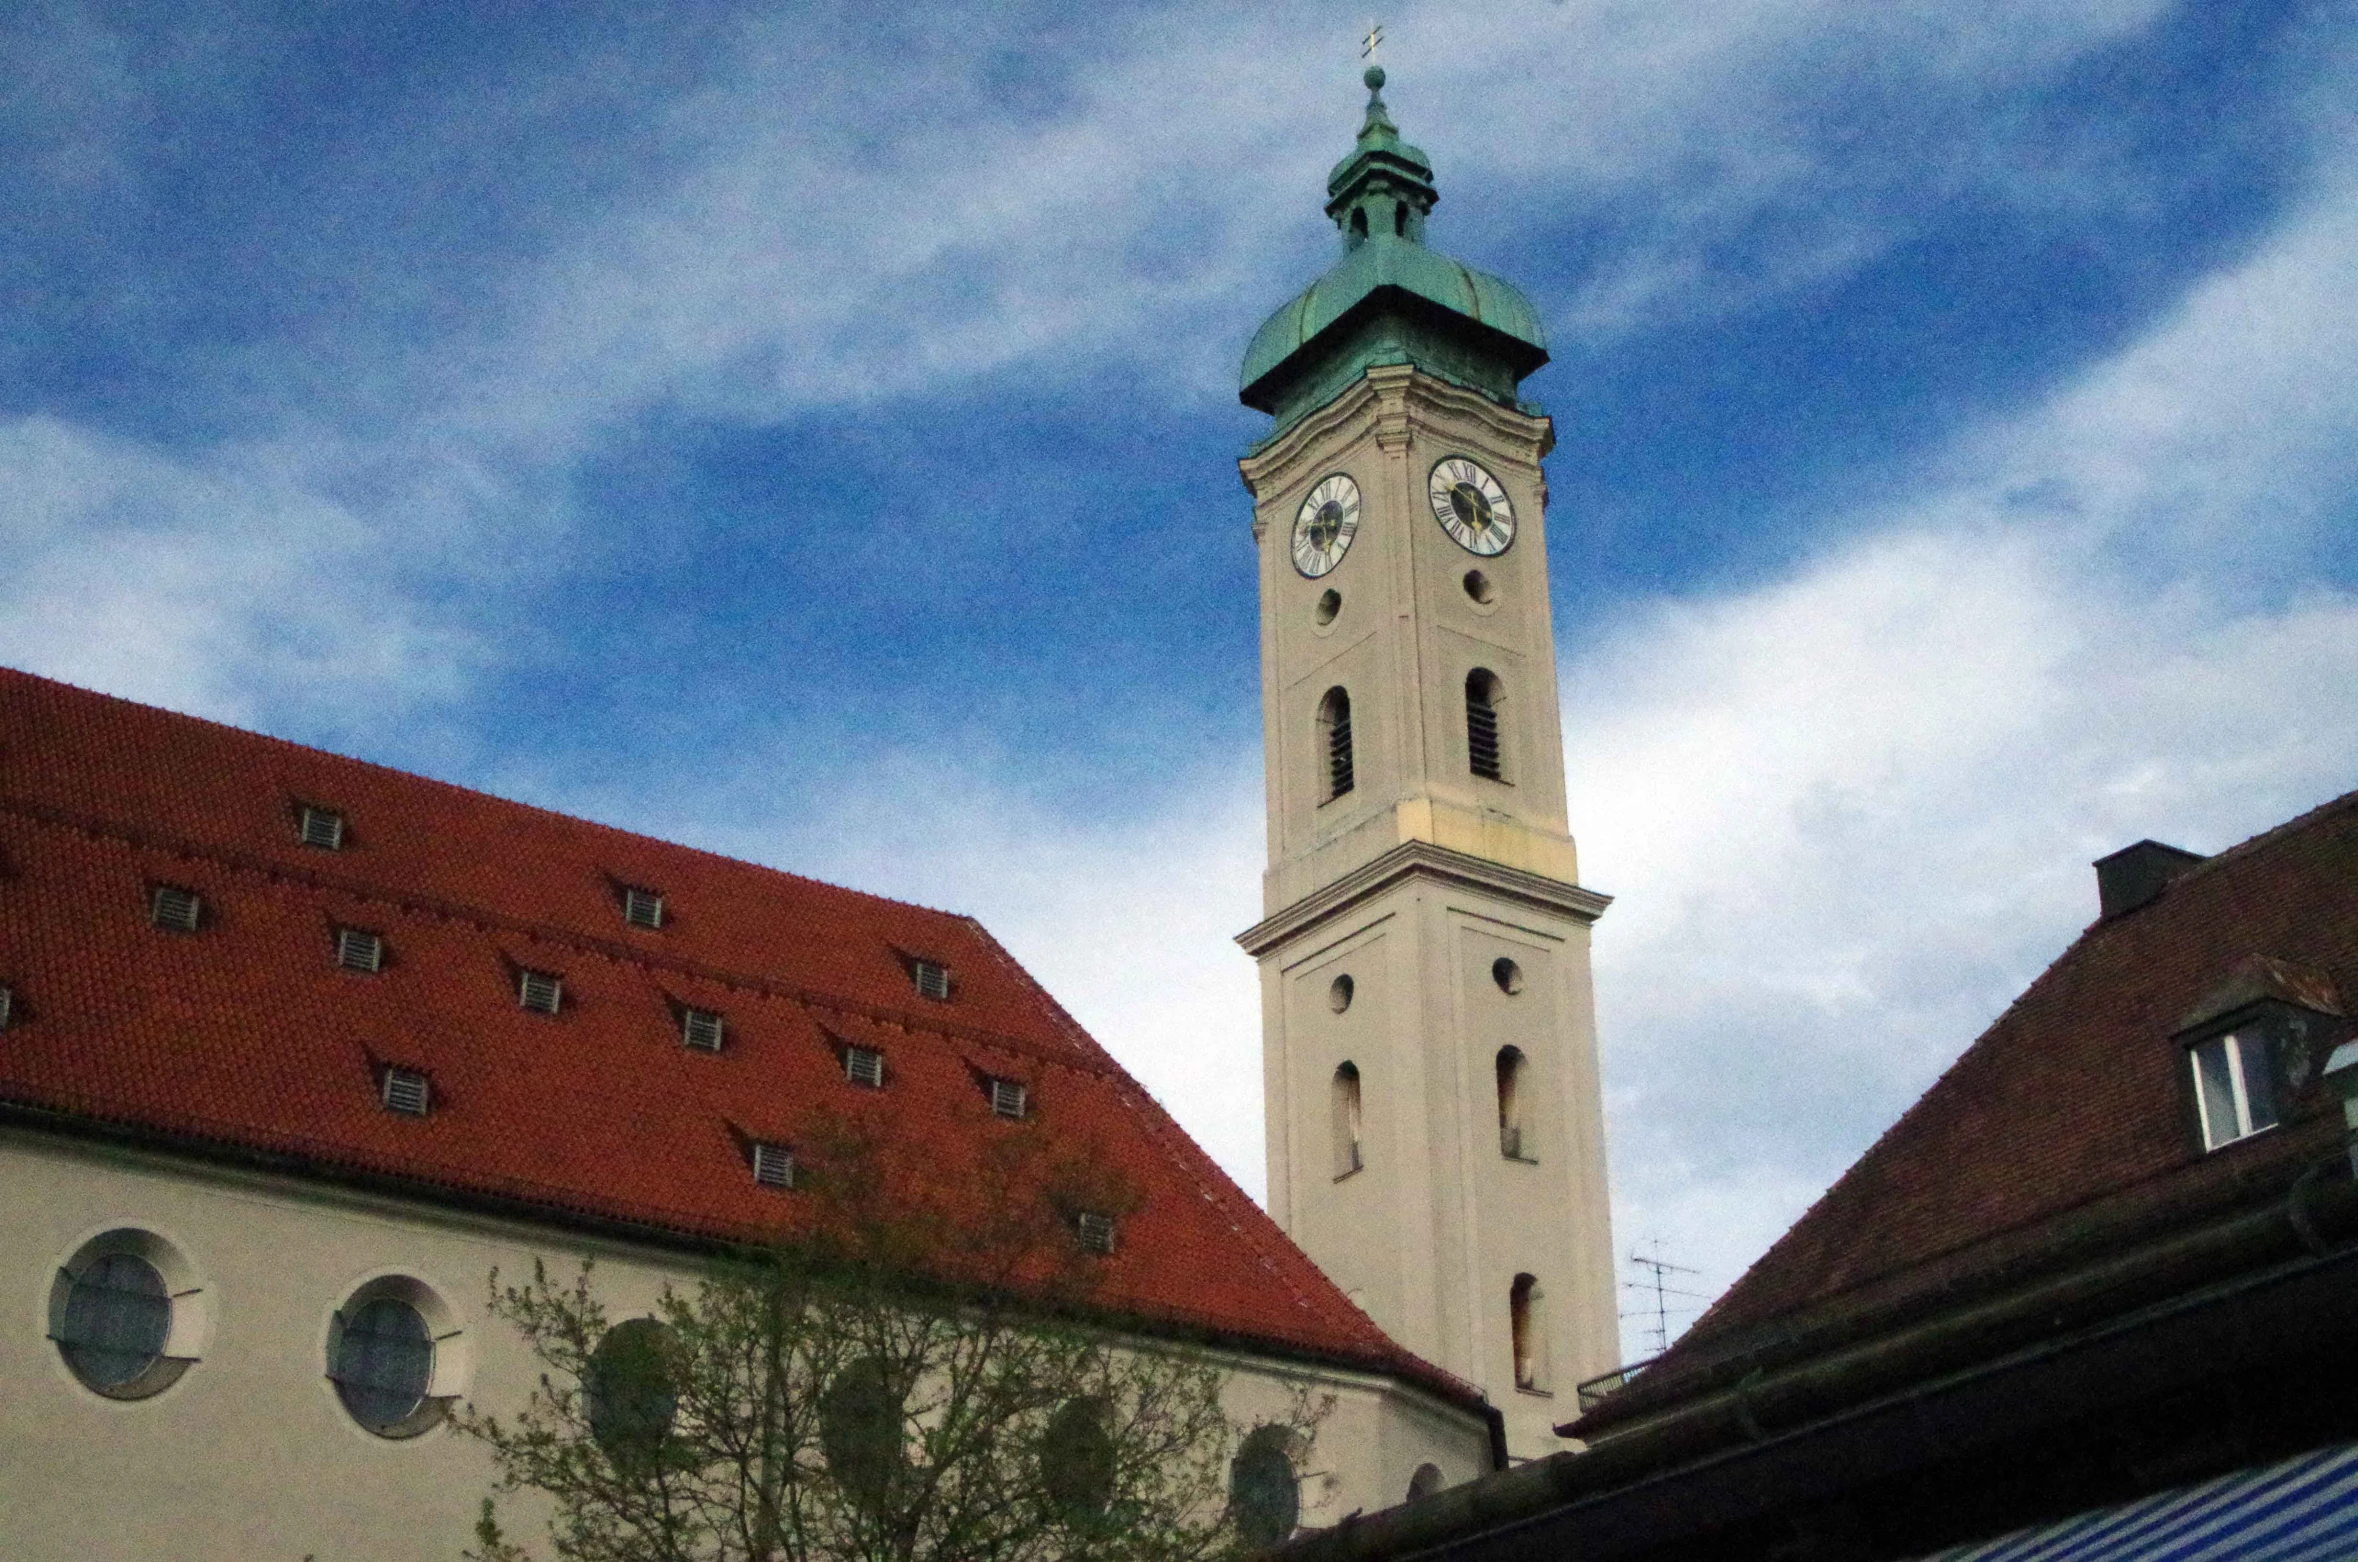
(175, 910)
(322, 827)
(539, 991)
(1094, 1232)
(407, 1091)
(773, 1165)
(1009, 1098)
(933, 980)
(702, 1029)
(642, 908)
(359, 951)
(864, 1066)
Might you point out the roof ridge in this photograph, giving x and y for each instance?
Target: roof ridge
(502, 922)
(412, 777)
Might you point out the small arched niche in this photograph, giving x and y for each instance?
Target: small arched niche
(1513, 1142)
(1345, 1103)
(1527, 1332)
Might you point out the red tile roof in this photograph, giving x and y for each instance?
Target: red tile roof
(2077, 1102)
(246, 1036)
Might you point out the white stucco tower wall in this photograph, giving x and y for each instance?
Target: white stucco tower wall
(1429, 918)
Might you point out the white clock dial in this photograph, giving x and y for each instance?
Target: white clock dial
(1471, 507)
(1325, 525)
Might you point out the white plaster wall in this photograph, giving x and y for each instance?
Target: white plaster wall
(250, 1455)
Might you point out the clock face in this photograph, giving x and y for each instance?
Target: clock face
(1325, 525)
(1471, 507)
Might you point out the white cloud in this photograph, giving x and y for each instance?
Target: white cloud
(216, 584)
(1850, 813)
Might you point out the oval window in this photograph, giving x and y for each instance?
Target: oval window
(860, 1432)
(1077, 1462)
(1263, 1491)
(382, 1363)
(118, 1315)
(628, 1390)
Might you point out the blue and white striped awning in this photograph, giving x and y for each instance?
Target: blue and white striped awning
(2305, 1510)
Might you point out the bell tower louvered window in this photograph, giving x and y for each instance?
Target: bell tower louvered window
(1482, 702)
(1334, 744)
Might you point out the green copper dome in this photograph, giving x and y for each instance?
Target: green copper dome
(1389, 299)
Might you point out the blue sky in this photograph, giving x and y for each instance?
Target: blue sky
(809, 432)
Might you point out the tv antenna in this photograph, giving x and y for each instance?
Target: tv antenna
(1372, 42)
(1658, 1292)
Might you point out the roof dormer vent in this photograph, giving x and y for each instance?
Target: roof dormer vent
(932, 979)
(2135, 874)
(321, 827)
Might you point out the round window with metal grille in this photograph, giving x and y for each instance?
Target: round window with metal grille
(382, 1363)
(118, 1314)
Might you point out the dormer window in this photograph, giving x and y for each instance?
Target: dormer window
(539, 992)
(407, 1091)
(642, 908)
(2236, 1086)
(175, 910)
(701, 1029)
(932, 979)
(359, 951)
(864, 1066)
(1094, 1232)
(2254, 1041)
(773, 1165)
(321, 827)
(1009, 1098)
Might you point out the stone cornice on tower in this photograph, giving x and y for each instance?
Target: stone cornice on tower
(1423, 859)
(1397, 392)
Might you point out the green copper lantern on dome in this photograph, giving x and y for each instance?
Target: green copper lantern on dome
(1389, 300)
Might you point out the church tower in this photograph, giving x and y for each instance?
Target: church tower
(1436, 1140)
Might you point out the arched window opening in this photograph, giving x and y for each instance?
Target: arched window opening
(1334, 733)
(1528, 1330)
(1346, 1120)
(1483, 698)
(1426, 1481)
(1400, 219)
(1358, 224)
(1512, 1142)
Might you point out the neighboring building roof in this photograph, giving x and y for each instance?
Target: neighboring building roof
(2072, 1115)
(247, 1038)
